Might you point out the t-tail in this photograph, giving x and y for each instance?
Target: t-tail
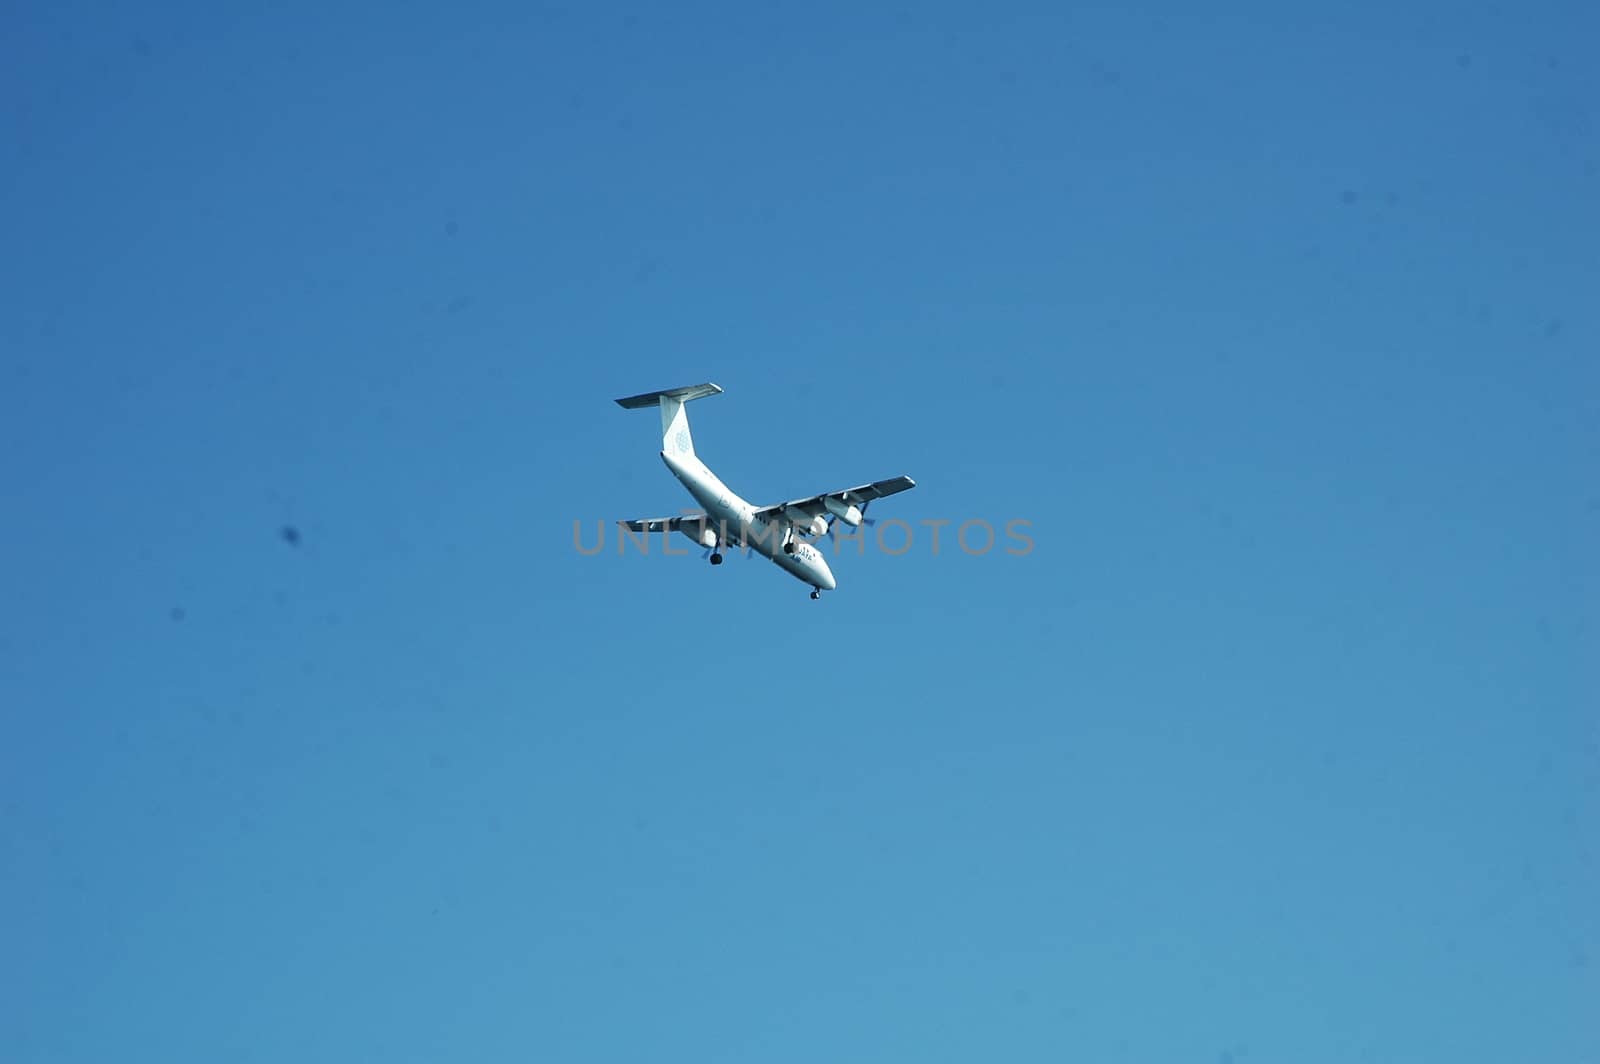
(675, 437)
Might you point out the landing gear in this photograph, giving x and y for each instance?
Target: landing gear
(816, 592)
(716, 557)
(788, 546)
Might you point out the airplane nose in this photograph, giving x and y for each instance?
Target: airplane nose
(825, 578)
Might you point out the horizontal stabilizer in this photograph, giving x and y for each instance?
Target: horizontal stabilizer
(682, 395)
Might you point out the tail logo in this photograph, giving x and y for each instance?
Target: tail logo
(682, 440)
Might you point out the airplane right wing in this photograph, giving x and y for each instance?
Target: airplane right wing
(695, 526)
(659, 524)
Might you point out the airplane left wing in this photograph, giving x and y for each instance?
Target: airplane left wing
(835, 501)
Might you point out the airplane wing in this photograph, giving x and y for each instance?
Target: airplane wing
(727, 535)
(817, 505)
(660, 524)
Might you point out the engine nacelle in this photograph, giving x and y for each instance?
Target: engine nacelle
(805, 524)
(704, 535)
(850, 515)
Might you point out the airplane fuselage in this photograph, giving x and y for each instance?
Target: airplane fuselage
(725, 510)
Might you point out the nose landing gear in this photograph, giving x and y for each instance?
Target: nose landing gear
(816, 592)
(716, 557)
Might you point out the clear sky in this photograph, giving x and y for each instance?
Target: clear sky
(1278, 324)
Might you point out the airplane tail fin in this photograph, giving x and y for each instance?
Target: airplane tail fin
(675, 437)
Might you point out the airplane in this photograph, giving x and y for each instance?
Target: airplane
(778, 531)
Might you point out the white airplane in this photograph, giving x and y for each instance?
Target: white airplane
(776, 531)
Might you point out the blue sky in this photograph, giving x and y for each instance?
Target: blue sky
(1276, 324)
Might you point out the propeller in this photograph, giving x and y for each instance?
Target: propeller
(865, 520)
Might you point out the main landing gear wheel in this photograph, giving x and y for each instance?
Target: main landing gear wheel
(716, 558)
(788, 548)
(816, 592)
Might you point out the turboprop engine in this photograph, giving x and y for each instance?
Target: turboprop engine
(805, 524)
(850, 515)
(704, 535)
